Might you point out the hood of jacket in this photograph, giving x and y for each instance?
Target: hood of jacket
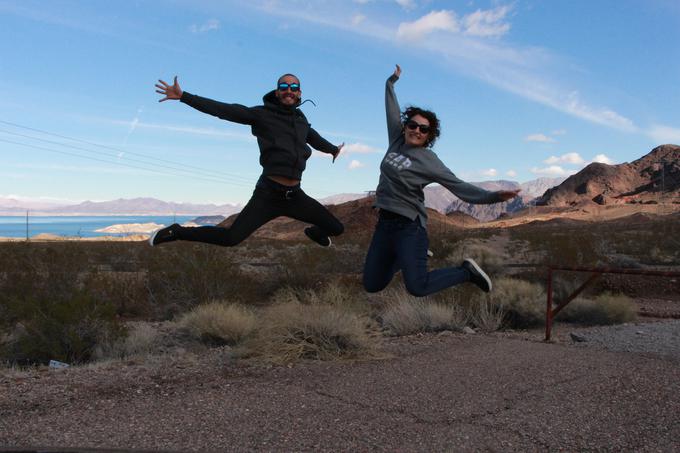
(272, 102)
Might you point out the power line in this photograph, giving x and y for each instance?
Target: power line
(208, 175)
(118, 163)
(117, 150)
(111, 155)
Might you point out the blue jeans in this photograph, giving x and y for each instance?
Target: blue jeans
(401, 244)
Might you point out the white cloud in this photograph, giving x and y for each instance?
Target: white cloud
(487, 23)
(359, 148)
(212, 24)
(358, 19)
(552, 171)
(490, 172)
(664, 134)
(434, 21)
(355, 164)
(539, 138)
(511, 173)
(406, 4)
(569, 158)
(559, 132)
(189, 130)
(603, 159)
(533, 73)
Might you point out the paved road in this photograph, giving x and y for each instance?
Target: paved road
(437, 393)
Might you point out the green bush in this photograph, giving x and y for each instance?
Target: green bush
(67, 329)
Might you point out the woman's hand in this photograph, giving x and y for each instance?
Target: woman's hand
(506, 195)
(169, 91)
(397, 72)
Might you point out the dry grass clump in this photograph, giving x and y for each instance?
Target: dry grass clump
(522, 301)
(405, 314)
(607, 308)
(292, 331)
(141, 339)
(220, 323)
(344, 296)
(485, 313)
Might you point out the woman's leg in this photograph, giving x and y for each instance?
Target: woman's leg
(381, 261)
(411, 245)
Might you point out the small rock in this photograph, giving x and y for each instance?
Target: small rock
(640, 332)
(469, 330)
(576, 338)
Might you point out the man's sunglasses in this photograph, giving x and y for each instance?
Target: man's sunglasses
(412, 125)
(294, 87)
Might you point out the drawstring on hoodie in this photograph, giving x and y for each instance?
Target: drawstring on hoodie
(307, 100)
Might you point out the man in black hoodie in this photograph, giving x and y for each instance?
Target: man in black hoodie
(283, 134)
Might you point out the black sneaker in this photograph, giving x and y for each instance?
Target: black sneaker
(477, 275)
(167, 234)
(317, 236)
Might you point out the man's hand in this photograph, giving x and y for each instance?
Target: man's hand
(169, 91)
(397, 71)
(338, 151)
(506, 195)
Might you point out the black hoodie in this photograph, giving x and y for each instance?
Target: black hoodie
(282, 132)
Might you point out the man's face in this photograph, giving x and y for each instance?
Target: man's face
(285, 93)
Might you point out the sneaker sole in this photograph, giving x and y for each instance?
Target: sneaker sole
(153, 236)
(320, 245)
(480, 271)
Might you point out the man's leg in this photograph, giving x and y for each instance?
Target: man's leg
(306, 209)
(411, 245)
(258, 211)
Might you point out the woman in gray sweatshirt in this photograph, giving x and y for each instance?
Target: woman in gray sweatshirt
(400, 239)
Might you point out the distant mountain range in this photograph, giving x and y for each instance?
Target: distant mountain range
(641, 181)
(122, 206)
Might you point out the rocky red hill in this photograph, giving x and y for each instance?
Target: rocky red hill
(652, 178)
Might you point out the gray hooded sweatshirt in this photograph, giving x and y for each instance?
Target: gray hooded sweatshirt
(406, 170)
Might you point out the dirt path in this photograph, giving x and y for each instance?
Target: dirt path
(438, 393)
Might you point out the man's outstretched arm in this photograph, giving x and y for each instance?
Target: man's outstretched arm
(230, 112)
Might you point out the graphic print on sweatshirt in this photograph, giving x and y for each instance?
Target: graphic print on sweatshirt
(398, 161)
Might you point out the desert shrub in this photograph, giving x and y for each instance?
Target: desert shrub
(182, 277)
(220, 323)
(405, 314)
(338, 294)
(607, 308)
(292, 331)
(64, 328)
(523, 302)
(485, 313)
(489, 259)
(140, 339)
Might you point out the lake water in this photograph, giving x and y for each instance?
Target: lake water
(78, 226)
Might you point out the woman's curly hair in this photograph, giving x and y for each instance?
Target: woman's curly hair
(410, 112)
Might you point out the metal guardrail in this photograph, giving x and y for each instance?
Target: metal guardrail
(551, 311)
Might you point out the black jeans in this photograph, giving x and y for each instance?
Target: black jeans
(401, 243)
(269, 201)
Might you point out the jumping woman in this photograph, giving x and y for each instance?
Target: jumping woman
(400, 239)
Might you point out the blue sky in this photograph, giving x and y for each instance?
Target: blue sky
(523, 89)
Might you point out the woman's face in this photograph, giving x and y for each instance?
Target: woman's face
(417, 131)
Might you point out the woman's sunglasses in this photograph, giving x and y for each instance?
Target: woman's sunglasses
(412, 125)
(294, 87)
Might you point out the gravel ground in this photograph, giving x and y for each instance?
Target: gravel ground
(449, 392)
(654, 338)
